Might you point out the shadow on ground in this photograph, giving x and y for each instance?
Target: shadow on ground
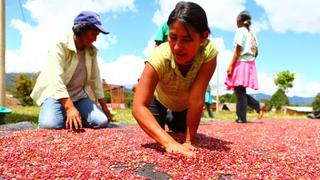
(201, 141)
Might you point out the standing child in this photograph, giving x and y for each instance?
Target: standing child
(208, 101)
(242, 72)
(175, 77)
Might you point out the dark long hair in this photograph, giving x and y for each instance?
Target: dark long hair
(245, 18)
(190, 14)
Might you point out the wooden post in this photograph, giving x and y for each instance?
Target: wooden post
(2, 54)
(217, 96)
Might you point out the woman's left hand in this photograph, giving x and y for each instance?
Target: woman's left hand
(189, 146)
(229, 71)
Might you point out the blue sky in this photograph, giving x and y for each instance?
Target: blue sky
(288, 32)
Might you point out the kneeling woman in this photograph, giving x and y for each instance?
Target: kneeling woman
(175, 79)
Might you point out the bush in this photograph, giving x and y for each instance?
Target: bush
(316, 103)
(228, 98)
(23, 88)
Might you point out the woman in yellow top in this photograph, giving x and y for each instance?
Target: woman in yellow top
(175, 78)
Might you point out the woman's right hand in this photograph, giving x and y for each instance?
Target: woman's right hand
(176, 147)
(73, 120)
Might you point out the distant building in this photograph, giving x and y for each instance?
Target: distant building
(227, 107)
(296, 110)
(117, 95)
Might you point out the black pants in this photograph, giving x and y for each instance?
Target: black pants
(244, 100)
(176, 121)
(208, 107)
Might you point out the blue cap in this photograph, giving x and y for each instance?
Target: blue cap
(89, 17)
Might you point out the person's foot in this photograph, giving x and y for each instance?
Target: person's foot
(238, 120)
(262, 110)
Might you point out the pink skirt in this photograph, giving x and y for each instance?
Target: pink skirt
(244, 74)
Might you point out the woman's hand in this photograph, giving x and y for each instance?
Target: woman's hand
(176, 147)
(188, 145)
(235, 57)
(229, 71)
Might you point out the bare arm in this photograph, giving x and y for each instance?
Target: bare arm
(103, 104)
(196, 98)
(142, 98)
(235, 57)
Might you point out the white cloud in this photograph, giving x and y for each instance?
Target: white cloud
(303, 88)
(266, 83)
(220, 14)
(149, 48)
(50, 25)
(260, 25)
(292, 15)
(105, 41)
(300, 87)
(123, 71)
(223, 61)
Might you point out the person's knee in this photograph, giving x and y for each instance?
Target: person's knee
(102, 123)
(52, 115)
(50, 124)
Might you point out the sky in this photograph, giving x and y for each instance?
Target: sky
(288, 33)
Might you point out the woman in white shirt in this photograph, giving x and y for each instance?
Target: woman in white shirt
(242, 72)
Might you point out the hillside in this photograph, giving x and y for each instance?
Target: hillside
(293, 99)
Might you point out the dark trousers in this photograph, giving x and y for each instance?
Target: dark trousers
(176, 121)
(208, 107)
(244, 100)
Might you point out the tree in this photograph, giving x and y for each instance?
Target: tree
(316, 103)
(107, 96)
(284, 80)
(129, 99)
(23, 89)
(228, 98)
(278, 99)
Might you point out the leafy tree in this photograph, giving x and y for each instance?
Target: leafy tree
(23, 88)
(278, 99)
(129, 99)
(316, 103)
(284, 80)
(228, 98)
(107, 96)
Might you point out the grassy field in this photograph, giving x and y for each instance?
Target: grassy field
(30, 113)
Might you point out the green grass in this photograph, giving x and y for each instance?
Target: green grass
(226, 115)
(22, 113)
(31, 113)
(124, 116)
